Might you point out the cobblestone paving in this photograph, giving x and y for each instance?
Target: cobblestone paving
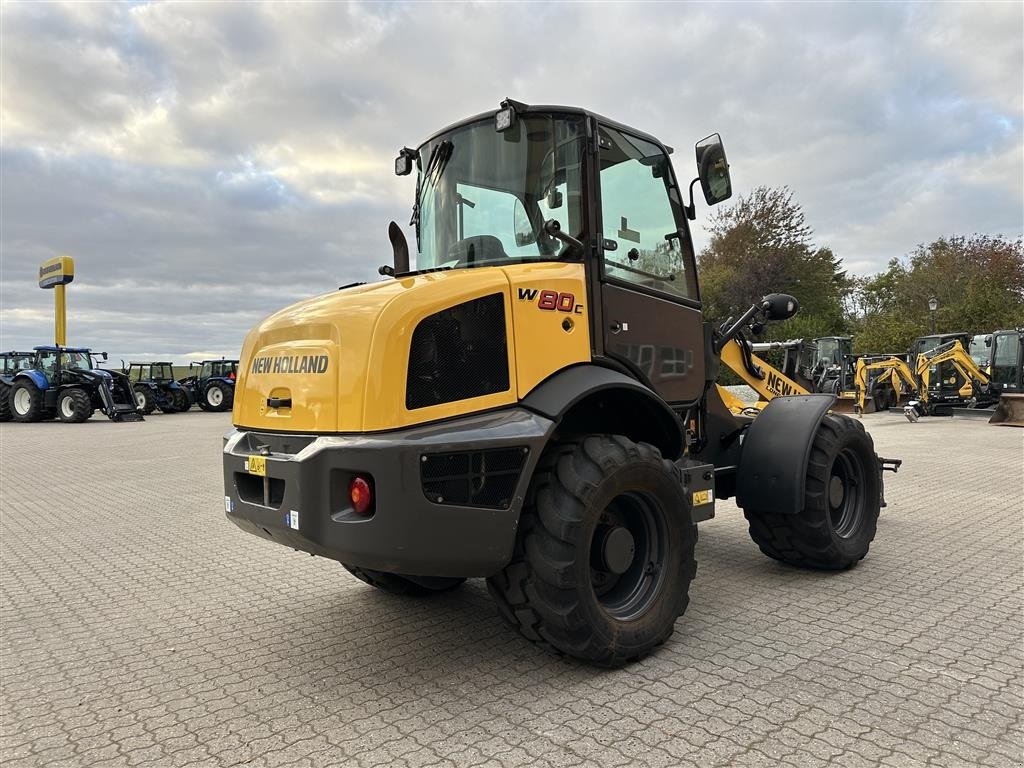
(139, 627)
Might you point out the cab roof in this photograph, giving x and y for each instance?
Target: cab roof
(53, 348)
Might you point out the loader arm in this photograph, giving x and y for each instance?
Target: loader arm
(764, 379)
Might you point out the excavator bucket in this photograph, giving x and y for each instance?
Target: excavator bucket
(1009, 411)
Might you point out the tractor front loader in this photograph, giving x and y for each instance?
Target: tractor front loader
(63, 382)
(535, 402)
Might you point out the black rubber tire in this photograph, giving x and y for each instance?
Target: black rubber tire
(198, 397)
(34, 410)
(397, 584)
(74, 405)
(180, 399)
(5, 406)
(227, 396)
(148, 404)
(885, 397)
(547, 591)
(814, 538)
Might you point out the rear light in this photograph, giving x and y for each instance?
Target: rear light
(360, 493)
(231, 375)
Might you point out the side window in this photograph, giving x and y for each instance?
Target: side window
(638, 213)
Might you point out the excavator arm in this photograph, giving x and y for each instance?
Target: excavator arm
(893, 371)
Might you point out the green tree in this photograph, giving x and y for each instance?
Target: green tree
(762, 244)
(978, 281)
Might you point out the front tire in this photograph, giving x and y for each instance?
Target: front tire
(180, 400)
(604, 555)
(145, 403)
(218, 396)
(5, 406)
(74, 405)
(841, 503)
(409, 586)
(26, 401)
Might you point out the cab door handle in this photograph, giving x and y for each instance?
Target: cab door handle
(279, 402)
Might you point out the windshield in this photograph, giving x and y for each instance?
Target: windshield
(979, 350)
(483, 196)
(75, 360)
(828, 351)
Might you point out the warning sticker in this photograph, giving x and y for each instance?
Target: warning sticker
(703, 497)
(228, 505)
(292, 519)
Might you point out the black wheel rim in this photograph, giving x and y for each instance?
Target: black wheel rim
(630, 593)
(847, 501)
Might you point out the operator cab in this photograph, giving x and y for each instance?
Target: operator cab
(560, 184)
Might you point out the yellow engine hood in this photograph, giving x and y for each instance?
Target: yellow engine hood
(338, 362)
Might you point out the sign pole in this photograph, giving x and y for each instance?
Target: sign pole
(56, 273)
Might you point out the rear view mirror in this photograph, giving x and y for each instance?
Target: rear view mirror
(103, 355)
(779, 306)
(713, 169)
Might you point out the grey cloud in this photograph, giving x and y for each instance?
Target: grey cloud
(208, 163)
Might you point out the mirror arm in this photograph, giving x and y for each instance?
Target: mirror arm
(553, 228)
(691, 210)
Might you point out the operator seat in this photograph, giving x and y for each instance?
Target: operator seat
(477, 248)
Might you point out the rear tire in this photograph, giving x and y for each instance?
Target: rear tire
(410, 586)
(74, 405)
(604, 555)
(145, 403)
(5, 406)
(26, 401)
(841, 503)
(219, 396)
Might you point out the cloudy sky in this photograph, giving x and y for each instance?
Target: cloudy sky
(206, 164)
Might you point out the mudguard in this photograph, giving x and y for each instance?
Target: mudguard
(776, 449)
(556, 395)
(37, 377)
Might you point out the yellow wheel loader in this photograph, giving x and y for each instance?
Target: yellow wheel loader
(534, 402)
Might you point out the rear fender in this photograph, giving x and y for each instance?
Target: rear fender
(776, 449)
(589, 398)
(36, 377)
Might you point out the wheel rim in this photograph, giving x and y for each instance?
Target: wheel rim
(67, 407)
(140, 400)
(214, 396)
(628, 553)
(847, 501)
(22, 402)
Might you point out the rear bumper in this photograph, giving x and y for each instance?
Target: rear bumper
(303, 502)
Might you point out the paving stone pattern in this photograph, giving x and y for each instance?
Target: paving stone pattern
(139, 627)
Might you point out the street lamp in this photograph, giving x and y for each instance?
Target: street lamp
(933, 304)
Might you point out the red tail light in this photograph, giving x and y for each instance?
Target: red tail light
(360, 493)
(231, 375)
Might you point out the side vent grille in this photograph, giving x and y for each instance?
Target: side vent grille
(473, 478)
(458, 353)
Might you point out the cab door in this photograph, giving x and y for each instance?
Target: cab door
(650, 308)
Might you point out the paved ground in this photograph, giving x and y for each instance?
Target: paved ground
(139, 627)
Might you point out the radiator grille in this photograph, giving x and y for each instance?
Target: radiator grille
(473, 478)
(458, 353)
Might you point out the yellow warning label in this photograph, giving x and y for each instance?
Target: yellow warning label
(703, 497)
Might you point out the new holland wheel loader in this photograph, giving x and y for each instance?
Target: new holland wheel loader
(535, 402)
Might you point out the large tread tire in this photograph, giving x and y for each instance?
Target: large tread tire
(820, 536)
(547, 591)
(396, 584)
(219, 402)
(33, 406)
(181, 401)
(145, 403)
(5, 406)
(74, 405)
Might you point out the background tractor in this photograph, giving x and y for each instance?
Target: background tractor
(212, 386)
(12, 362)
(63, 382)
(536, 402)
(154, 387)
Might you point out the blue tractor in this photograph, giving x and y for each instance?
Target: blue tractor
(12, 362)
(63, 382)
(154, 387)
(212, 386)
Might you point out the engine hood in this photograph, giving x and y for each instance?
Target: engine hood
(340, 362)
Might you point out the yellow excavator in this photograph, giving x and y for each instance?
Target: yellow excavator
(949, 377)
(882, 382)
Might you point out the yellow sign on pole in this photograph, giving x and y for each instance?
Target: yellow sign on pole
(56, 273)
